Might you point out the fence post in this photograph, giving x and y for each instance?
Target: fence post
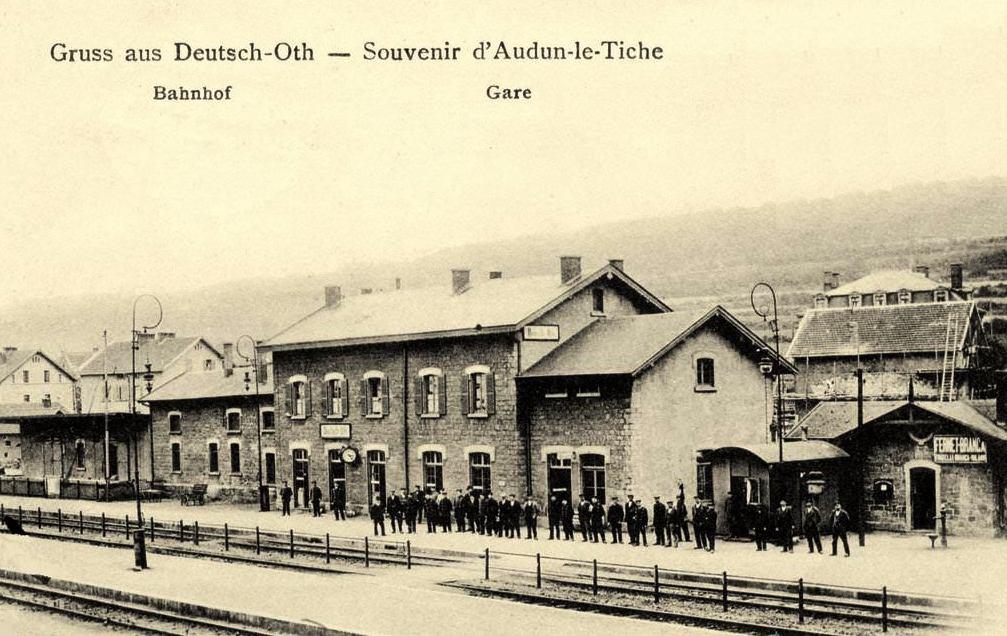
(81, 520)
(486, 570)
(181, 531)
(725, 591)
(657, 584)
(257, 539)
(327, 558)
(195, 533)
(39, 517)
(800, 600)
(227, 539)
(291, 543)
(59, 513)
(367, 553)
(538, 570)
(409, 555)
(884, 608)
(20, 515)
(103, 524)
(152, 528)
(594, 577)
(127, 526)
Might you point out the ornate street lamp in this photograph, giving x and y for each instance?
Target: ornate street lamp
(762, 310)
(139, 546)
(249, 376)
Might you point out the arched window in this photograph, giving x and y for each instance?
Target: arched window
(232, 420)
(175, 423)
(298, 397)
(336, 396)
(705, 378)
(479, 394)
(480, 472)
(433, 470)
(431, 393)
(592, 476)
(374, 398)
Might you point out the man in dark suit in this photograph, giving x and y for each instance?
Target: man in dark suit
(760, 519)
(444, 511)
(553, 515)
(394, 508)
(840, 524)
(491, 511)
(316, 500)
(286, 494)
(683, 512)
(566, 516)
(812, 519)
(430, 510)
(615, 515)
(378, 515)
(597, 520)
(584, 517)
(338, 501)
(461, 510)
(697, 524)
(641, 523)
(660, 520)
(411, 511)
(710, 527)
(785, 527)
(631, 527)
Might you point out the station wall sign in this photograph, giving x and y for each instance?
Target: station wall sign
(541, 332)
(959, 449)
(9, 429)
(334, 431)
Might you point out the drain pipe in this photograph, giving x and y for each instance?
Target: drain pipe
(405, 412)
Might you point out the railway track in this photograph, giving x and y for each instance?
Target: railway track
(111, 610)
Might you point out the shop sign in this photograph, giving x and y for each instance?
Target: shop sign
(541, 332)
(9, 429)
(959, 449)
(335, 431)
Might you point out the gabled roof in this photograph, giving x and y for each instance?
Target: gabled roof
(628, 345)
(486, 306)
(161, 352)
(16, 359)
(196, 385)
(830, 420)
(799, 451)
(886, 281)
(916, 327)
(23, 409)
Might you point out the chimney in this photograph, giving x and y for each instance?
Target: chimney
(569, 269)
(165, 335)
(956, 275)
(143, 335)
(826, 281)
(495, 275)
(617, 263)
(365, 290)
(835, 280)
(922, 269)
(228, 358)
(459, 280)
(398, 283)
(333, 295)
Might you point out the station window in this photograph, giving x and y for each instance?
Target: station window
(880, 299)
(598, 300)
(335, 396)
(270, 468)
(905, 297)
(235, 458)
(175, 423)
(433, 470)
(480, 472)
(232, 420)
(592, 476)
(25, 376)
(268, 420)
(479, 397)
(854, 300)
(212, 458)
(704, 481)
(588, 389)
(78, 455)
(431, 393)
(374, 398)
(705, 374)
(45, 375)
(882, 492)
(298, 397)
(176, 457)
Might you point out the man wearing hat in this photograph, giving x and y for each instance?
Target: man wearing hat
(660, 520)
(785, 527)
(812, 518)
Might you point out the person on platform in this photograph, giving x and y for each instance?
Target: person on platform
(760, 520)
(566, 516)
(530, 510)
(444, 511)
(674, 532)
(394, 509)
(710, 527)
(660, 521)
(430, 511)
(316, 500)
(683, 511)
(616, 513)
(411, 509)
(504, 528)
(597, 520)
(641, 523)
(812, 519)
(785, 526)
(698, 510)
(421, 503)
(286, 494)
(630, 514)
(461, 510)
(338, 501)
(378, 515)
(840, 524)
(491, 509)
(553, 516)
(584, 517)
(515, 511)
(472, 512)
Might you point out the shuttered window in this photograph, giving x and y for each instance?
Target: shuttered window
(336, 403)
(479, 396)
(431, 393)
(374, 395)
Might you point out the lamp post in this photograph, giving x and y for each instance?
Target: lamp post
(139, 547)
(254, 359)
(762, 311)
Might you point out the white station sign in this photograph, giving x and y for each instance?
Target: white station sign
(541, 332)
(959, 449)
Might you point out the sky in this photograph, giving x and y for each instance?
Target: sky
(313, 165)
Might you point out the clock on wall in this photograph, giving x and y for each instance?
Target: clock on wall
(349, 455)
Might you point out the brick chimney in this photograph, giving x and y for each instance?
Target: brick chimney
(826, 280)
(617, 263)
(333, 295)
(835, 280)
(398, 283)
(228, 358)
(495, 275)
(955, 273)
(460, 280)
(165, 335)
(569, 269)
(922, 269)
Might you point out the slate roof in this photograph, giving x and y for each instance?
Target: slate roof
(628, 344)
(487, 306)
(195, 385)
(15, 359)
(161, 352)
(886, 281)
(918, 327)
(830, 420)
(799, 451)
(22, 409)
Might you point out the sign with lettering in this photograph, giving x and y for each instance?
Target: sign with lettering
(334, 431)
(959, 449)
(9, 429)
(541, 332)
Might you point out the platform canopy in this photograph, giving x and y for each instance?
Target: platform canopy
(793, 452)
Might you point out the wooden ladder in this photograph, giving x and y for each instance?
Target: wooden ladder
(950, 359)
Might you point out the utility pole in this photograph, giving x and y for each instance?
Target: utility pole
(104, 375)
(861, 521)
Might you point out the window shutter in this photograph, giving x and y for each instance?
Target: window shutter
(290, 399)
(327, 402)
(420, 396)
(386, 397)
(466, 390)
(363, 397)
(344, 410)
(491, 394)
(307, 398)
(223, 417)
(442, 395)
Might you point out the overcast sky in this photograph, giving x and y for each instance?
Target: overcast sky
(315, 164)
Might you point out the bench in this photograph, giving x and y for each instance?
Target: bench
(194, 497)
(156, 492)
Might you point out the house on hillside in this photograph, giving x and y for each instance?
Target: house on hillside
(30, 376)
(896, 287)
(168, 355)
